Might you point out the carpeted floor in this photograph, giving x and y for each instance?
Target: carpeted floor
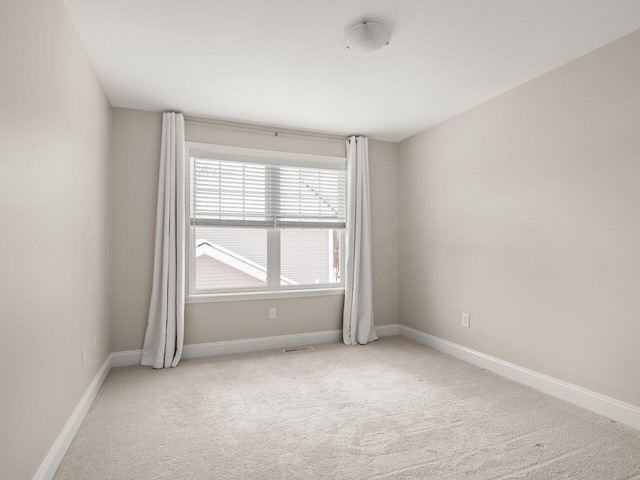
(390, 410)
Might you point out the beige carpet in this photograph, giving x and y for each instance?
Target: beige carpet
(390, 410)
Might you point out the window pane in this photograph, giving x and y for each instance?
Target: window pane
(230, 258)
(309, 256)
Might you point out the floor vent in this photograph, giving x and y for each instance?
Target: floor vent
(297, 349)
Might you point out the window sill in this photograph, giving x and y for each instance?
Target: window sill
(273, 294)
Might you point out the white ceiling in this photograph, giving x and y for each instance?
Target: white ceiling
(283, 62)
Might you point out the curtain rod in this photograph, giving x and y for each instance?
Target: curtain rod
(275, 131)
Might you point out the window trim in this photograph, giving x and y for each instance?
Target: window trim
(273, 289)
(263, 295)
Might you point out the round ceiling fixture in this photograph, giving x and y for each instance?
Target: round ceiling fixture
(367, 36)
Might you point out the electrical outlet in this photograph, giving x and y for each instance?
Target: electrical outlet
(466, 320)
(272, 313)
(95, 344)
(84, 356)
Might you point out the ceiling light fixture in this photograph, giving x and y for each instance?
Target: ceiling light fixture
(367, 36)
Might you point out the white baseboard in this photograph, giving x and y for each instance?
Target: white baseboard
(124, 359)
(388, 330)
(257, 344)
(606, 406)
(56, 453)
(133, 357)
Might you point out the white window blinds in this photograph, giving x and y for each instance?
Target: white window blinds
(252, 188)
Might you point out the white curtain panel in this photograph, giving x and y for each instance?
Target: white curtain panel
(165, 327)
(358, 299)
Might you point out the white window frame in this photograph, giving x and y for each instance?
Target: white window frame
(273, 289)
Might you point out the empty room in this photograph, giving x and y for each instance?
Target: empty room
(341, 239)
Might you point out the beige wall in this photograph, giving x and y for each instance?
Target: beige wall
(525, 213)
(136, 151)
(54, 151)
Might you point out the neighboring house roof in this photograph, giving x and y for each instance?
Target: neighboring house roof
(232, 259)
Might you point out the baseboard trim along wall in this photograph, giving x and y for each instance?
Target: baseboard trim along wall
(608, 407)
(133, 357)
(56, 453)
(600, 404)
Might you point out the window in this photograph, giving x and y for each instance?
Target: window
(264, 223)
